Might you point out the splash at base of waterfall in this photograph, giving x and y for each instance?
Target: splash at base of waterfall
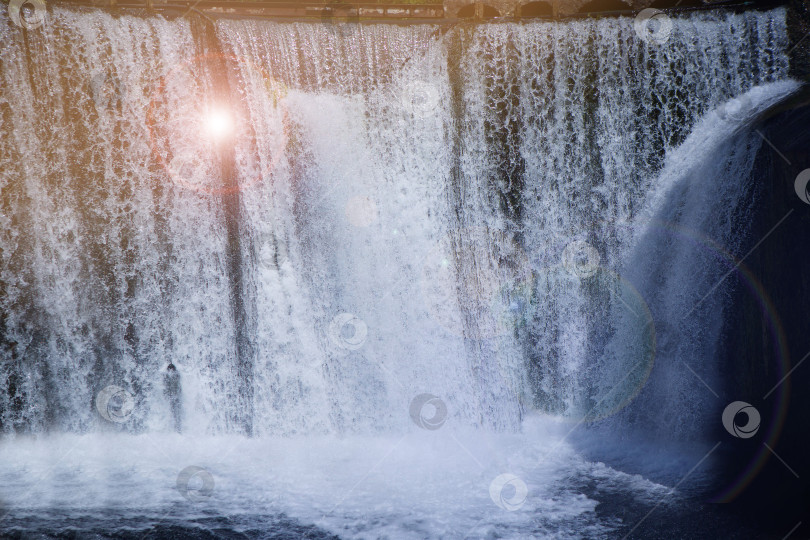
(422, 484)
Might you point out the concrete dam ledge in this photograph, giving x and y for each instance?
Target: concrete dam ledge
(459, 11)
(449, 11)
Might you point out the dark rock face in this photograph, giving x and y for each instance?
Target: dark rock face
(799, 32)
(779, 495)
(764, 360)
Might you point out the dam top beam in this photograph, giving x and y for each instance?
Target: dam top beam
(336, 10)
(519, 9)
(415, 10)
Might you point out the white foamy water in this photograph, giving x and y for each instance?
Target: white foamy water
(417, 485)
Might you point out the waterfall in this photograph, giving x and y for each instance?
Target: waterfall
(394, 211)
(697, 214)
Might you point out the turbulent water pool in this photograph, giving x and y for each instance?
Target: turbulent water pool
(415, 485)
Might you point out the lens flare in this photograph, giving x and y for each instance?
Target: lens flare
(219, 124)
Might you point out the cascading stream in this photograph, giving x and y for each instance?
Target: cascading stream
(403, 198)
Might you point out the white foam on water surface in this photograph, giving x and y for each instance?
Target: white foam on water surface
(417, 485)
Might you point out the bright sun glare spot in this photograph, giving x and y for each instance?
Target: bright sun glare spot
(219, 123)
